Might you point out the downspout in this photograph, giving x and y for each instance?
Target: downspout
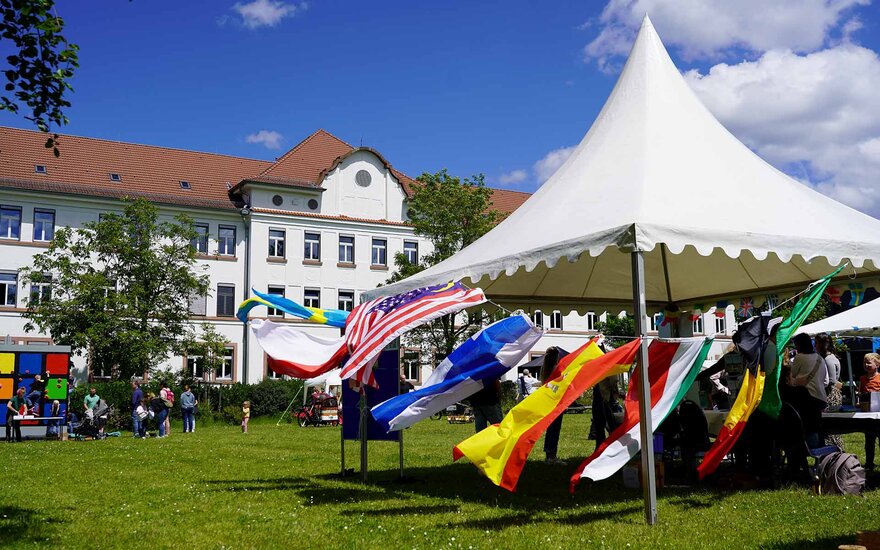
(245, 218)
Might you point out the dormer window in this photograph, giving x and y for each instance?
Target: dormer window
(185, 185)
(39, 168)
(115, 177)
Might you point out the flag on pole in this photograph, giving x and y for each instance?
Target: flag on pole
(332, 317)
(500, 451)
(673, 366)
(295, 352)
(373, 325)
(771, 403)
(482, 358)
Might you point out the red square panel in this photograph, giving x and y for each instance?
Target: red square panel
(56, 363)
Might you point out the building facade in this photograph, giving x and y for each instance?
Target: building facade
(320, 225)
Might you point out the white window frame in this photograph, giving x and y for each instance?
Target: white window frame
(345, 297)
(411, 251)
(379, 252)
(6, 286)
(312, 297)
(232, 311)
(312, 246)
(277, 243)
(193, 364)
(41, 289)
(224, 246)
(721, 324)
(201, 242)
(275, 290)
(346, 249)
(556, 321)
(227, 366)
(591, 320)
(655, 322)
(9, 213)
(538, 318)
(697, 325)
(42, 236)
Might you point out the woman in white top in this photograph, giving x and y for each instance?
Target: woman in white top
(834, 397)
(808, 370)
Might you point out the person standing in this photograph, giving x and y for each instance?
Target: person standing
(551, 438)
(91, 400)
(486, 404)
(160, 412)
(188, 403)
(526, 384)
(834, 397)
(245, 416)
(55, 421)
(808, 370)
(13, 408)
(869, 383)
(168, 399)
(605, 396)
(142, 411)
(137, 396)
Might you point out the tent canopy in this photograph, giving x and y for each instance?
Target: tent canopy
(658, 173)
(863, 320)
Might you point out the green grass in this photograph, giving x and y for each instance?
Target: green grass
(278, 487)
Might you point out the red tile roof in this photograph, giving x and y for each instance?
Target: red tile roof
(154, 173)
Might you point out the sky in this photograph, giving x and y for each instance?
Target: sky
(504, 89)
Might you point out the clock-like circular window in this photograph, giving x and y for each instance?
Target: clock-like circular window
(277, 200)
(313, 204)
(363, 178)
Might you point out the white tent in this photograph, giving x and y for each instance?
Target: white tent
(863, 320)
(659, 192)
(327, 381)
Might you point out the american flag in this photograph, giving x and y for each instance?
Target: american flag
(373, 325)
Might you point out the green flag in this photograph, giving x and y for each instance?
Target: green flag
(771, 403)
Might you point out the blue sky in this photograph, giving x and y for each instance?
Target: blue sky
(502, 89)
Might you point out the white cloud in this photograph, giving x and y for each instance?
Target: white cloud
(513, 177)
(268, 138)
(818, 112)
(266, 13)
(551, 162)
(705, 28)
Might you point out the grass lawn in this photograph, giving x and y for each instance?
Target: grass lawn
(278, 487)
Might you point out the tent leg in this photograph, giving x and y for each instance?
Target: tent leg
(649, 488)
(363, 434)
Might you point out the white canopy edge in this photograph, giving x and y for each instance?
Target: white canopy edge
(863, 320)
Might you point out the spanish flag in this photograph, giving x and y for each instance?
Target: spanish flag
(500, 451)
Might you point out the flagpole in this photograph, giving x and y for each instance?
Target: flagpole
(649, 490)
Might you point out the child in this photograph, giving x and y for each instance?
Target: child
(142, 413)
(245, 415)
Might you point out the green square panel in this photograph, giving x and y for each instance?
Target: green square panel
(57, 388)
(7, 363)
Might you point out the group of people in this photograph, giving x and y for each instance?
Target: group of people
(157, 408)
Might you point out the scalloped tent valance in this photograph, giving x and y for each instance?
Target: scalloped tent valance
(657, 173)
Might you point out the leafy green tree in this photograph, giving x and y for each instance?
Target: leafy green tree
(118, 289)
(211, 346)
(617, 326)
(41, 65)
(450, 213)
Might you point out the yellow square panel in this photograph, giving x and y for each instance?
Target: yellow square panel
(7, 363)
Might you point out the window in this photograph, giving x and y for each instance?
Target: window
(195, 366)
(8, 289)
(101, 370)
(721, 324)
(198, 305)
(41, 290)
(115, 177)
(656, 320)
(10, 222)
(697, 325)
(200, 242)
(39, 168)
(346, 300)
(226, 241)
(411, 251)
(225, 300)
(556, 320)
(312, 297)
(380, 252)
(224, 372)
(312, 246)
(772, 301)
(346, 249)
(276, 243)
(276, 291)
(409, 362)
(111, 289)
(185, 185)
(591, 320)
(44, 225)
(538, 318)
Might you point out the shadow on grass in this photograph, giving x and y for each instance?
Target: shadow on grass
(413, 510)
(817, 544)
(23, 525)
(270, 484)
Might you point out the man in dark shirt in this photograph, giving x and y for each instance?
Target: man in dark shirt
(487, 405)
(36, 393)
(137, 395)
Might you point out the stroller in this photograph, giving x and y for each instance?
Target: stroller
(93, 422)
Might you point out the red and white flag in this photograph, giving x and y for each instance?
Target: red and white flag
(295, 352)
(373, 325)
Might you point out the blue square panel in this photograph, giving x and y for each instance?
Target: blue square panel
(26, 384)
(30, 364)
(3, 410)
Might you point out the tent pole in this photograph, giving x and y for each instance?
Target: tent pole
(649, 489)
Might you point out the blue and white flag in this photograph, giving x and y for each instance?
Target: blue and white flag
(485, 356)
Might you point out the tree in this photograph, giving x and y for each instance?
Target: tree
(118, 289)
(451, 214)
(41, 65)
(614, 325)
(210, 345)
